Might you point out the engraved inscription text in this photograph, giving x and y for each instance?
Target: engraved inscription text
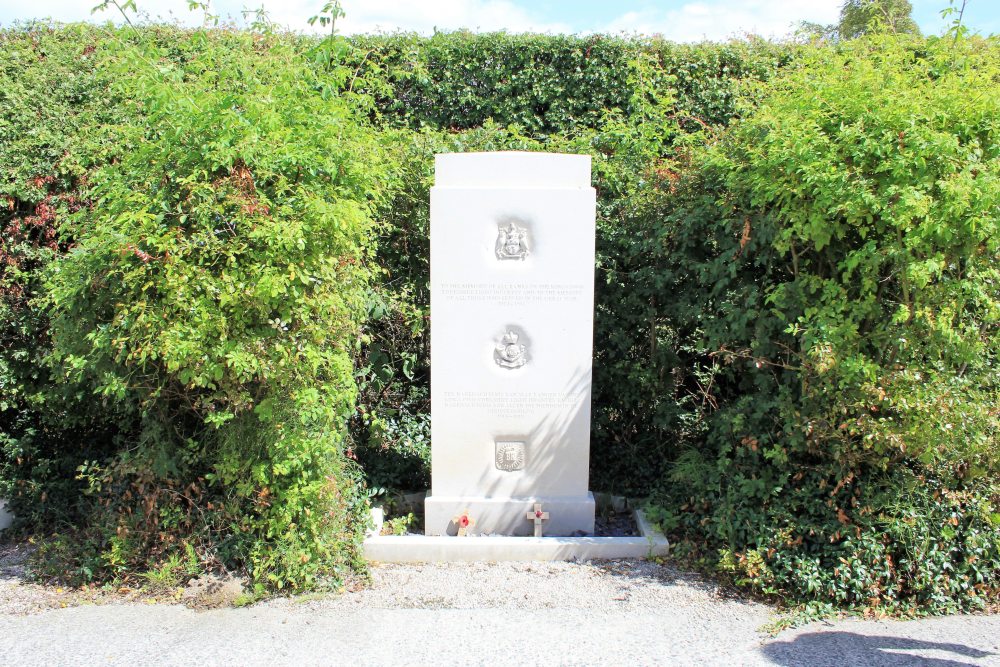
(510, 404)
(511, 293)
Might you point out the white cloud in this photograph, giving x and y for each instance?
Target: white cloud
(722, 19)
(425, 15)
(695, 20)
(421, 16)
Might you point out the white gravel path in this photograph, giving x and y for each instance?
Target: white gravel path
(603, 613)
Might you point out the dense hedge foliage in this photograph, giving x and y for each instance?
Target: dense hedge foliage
(796, 306)
(59, 120)
(836, 260)
(552, 85)
(772, 355)
(624, 102)
(210, 289)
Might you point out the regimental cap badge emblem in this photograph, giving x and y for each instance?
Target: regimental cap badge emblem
(512, 241)
(510, 455)
(509, 353)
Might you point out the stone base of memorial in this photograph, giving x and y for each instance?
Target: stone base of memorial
(495, 548)
(6, 518)
(506, 516)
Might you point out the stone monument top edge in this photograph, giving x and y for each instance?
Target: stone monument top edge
(511, 169)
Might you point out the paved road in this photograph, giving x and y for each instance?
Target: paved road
(615, 613)
(175, 635)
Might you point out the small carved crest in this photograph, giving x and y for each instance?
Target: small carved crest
(509, 353)
(510, 455)
(512, 242)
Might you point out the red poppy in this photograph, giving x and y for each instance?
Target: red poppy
(464, 521)
(538, 513)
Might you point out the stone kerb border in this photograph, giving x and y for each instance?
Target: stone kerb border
(439, 549)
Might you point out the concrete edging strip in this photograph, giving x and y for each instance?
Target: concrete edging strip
(439, 549)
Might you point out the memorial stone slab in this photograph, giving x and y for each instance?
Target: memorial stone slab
(512, 296)
(6, 518)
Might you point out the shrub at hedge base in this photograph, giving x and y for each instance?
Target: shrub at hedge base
(215, 287)
(840, 275)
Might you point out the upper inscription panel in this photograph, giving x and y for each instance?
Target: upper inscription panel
(511, 293)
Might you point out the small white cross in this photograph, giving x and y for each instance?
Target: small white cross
(538, 516)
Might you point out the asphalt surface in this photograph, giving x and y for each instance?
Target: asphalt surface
(612, 613)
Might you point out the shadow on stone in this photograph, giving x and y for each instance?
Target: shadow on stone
(849, 648)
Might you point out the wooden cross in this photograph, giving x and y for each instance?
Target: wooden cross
(464, 523)
(538, 516)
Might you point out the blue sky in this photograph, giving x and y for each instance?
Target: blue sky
(681, 20)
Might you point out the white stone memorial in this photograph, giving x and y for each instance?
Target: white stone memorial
(512, 298)
(6, 518)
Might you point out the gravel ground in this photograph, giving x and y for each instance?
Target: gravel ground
(599, 613)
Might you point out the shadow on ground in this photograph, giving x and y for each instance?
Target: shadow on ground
(644, 571)
(13, 560)
(849, 648)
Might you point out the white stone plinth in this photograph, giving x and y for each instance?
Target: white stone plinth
(6, 518)
(508, 516)
(440, 549)
(512, 297)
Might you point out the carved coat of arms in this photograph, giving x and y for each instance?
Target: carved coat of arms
(512, 242)
(510, 455)
(509, 353)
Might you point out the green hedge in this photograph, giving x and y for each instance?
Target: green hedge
(835, 264)
(58, 116)
(624, 101)
(220, 242)
(552, 85)
(771, 356)
(211, 193)
(60, 439)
